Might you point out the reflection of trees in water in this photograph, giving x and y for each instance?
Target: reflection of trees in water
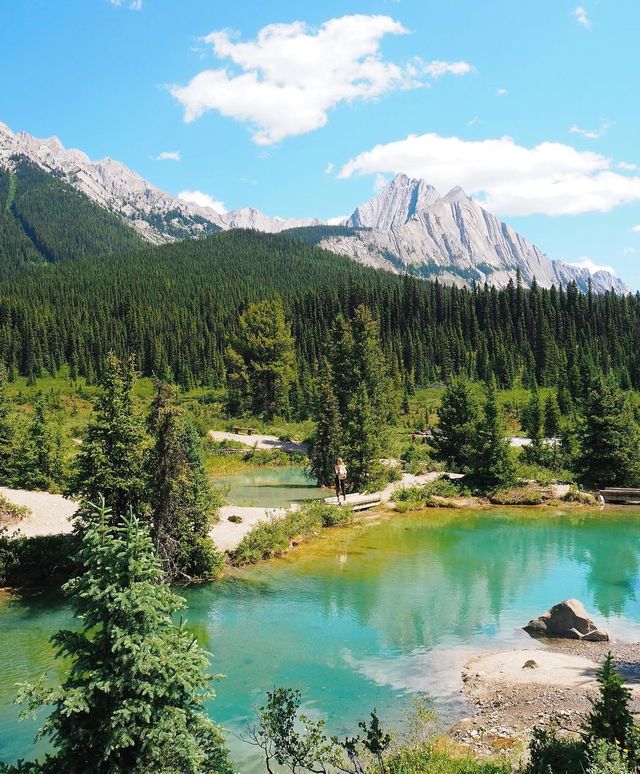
(418, 585)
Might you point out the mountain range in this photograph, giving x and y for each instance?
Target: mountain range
(408, 227)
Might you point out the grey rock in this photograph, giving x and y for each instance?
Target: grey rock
(568, 620)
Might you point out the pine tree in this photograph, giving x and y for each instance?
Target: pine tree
(492, 465)
(263, 350)
(610, 718)
(325, 447)
(533, 423)
(110, 461)
(457, 422)
(7, 434)
(609, 438)
(182, 502)
(552, 418)
(136, 682)
(361, 441)
(36, 461)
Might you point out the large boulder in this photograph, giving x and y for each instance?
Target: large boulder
(568, 620)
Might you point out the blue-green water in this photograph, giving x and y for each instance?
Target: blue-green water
(371, 615)
(269, 487)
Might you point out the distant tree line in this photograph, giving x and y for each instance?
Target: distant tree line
(178, 308)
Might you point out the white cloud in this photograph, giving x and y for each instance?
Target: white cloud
(167, 156)
(202, 200)
(627, 166)
(134, 5)
(581, 16)
(509, 179)
(284, 82)
(629, 251)
(502, 92)
(592, 134)
(437, 68)
(473, 121)
(337, 221)
(636, 229)
(591, 266)
(329, 168)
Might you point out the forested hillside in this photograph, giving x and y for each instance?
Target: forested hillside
(176, 307)
(44, 220)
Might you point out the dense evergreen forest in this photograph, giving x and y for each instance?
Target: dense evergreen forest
(44, 220)
(177, 308)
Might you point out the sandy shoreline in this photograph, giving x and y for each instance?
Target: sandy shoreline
(510, 699)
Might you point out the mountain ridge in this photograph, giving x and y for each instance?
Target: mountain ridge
(408, 226)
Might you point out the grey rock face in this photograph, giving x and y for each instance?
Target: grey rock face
(568, 620)
(414, 230)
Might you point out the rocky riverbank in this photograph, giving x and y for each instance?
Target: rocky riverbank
(514, 691)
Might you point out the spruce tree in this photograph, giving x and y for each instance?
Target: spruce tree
(610, 718)
(609, 438)
(457, 421)
(552, 418)
(110, 461)
(262, 358)
(492, 465)
(36, 461)
(7, 434)
(533, 424)
(182, 502)
(361, 442)
(325, 446)
(136, 681)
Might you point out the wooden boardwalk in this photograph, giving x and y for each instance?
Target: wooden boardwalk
(357, 502)
(621, 495)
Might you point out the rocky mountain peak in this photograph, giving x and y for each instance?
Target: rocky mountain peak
(396, 203)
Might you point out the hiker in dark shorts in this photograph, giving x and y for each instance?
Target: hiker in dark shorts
(341, 480)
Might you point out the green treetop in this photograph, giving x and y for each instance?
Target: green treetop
(492, 465)
(609, 438)
(182, 501)
(457, 420)
(325, 448)
(136, 682)
(263, 355)
(110, 461)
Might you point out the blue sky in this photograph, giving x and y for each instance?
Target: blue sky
(532, 107)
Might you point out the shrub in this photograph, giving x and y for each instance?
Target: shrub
(273, 538)
(551, 753)
(10, 513)
(577, 495)
(521, 495)
(37, 561)
(542, 475)
(417, 493)
(427, 759)
(607, 758)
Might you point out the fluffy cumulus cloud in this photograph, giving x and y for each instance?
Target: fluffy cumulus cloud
(286, 81)
(636, 229)
(581, 16)
(202, 200)
(167, 156)
(591, 266)
(507, 178)
(502, 92)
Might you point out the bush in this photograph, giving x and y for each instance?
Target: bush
(519, 495)
(607, 758)
(10, 513)
(37, 561)
(542, 475)
(577, 495)
(417, 493)
(552, 753)
(427, 759)
(274, 537)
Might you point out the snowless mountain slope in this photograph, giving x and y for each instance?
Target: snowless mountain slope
(412, 228)
(407, 227)
(155, 215)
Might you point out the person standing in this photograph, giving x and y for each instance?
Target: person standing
(341, 480)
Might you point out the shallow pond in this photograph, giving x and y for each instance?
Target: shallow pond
(370, 616)
(269, 487)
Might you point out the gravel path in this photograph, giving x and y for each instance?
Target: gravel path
(50, 513)
(265, 442)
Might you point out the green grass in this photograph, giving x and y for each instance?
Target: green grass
(430, 759)
(273, 538)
